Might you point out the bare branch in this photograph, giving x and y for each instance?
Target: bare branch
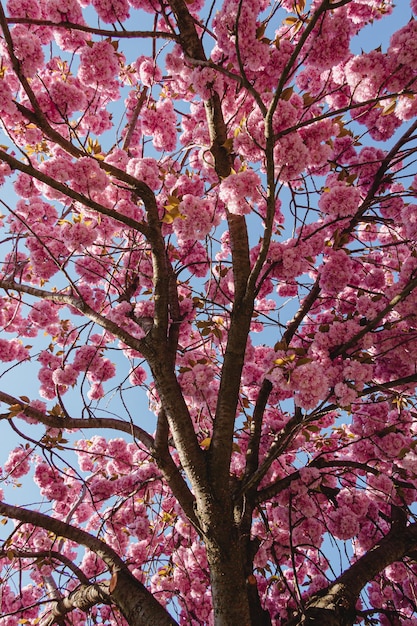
(120, 34)
(171, 472)
(98, 423)
(135, 115)
(50, 555)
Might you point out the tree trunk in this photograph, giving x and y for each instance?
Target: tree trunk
(229, 592)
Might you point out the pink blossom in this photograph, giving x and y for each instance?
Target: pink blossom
(67, 97)
(343, 523)
(310, 476)
(149, 72)
(397, 572)
(357, 502)
(339, 199)
(17, 464)
(24, 8)
(13, 350)
(196, 218)
(403, 46)
(160, 124)
(78, 236)
(363, 12)
(111, 11)
(366, 73)
(118, 157)
(409, 220)
(336, 272)
(330, 40)
(236, 188)
(406, 108)
(291, 156)
(194, 258)
(70, 40)
(345, 394)
(63, 11)
(28, 49)
(310, 532)
(96, 122)
(96, 391)
(50, 482)
(43, 314)
(310, 384)
(7, 105)
(99, 67)
(87, 176)
(137, 376)
(45, 260)
(24, 185)
(66, 376)
(146, 170)
(367, 164)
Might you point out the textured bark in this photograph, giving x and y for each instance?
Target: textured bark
(137, 605)
(83, 597)
(230, 597)
(334, 607)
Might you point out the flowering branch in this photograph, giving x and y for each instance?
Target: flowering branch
(127, 593)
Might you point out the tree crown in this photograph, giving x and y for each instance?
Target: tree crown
(209, 210)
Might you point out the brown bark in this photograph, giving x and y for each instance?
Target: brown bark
(83, 598)
(229, 592)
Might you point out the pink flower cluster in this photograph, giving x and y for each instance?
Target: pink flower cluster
(28, 50)
(99, 64)
(237, 188)
(339, 199)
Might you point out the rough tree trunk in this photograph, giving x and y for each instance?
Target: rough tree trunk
(229, 592)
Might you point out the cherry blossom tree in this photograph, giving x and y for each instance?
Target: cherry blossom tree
(209, 209)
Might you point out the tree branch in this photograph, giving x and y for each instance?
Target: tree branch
(374, 323)
(336, 604)
(171, 472)
(283, 483)
(135, 115)
(306, 305)
(157, 447)
(221, 442)
(83, 598)
(120, 34)
(378, 178)
(71, 194)
(252, 453)
(140, 345)
(70, 423)
(295, 56)
(52, 555)
(280, 443)
(132, 598)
